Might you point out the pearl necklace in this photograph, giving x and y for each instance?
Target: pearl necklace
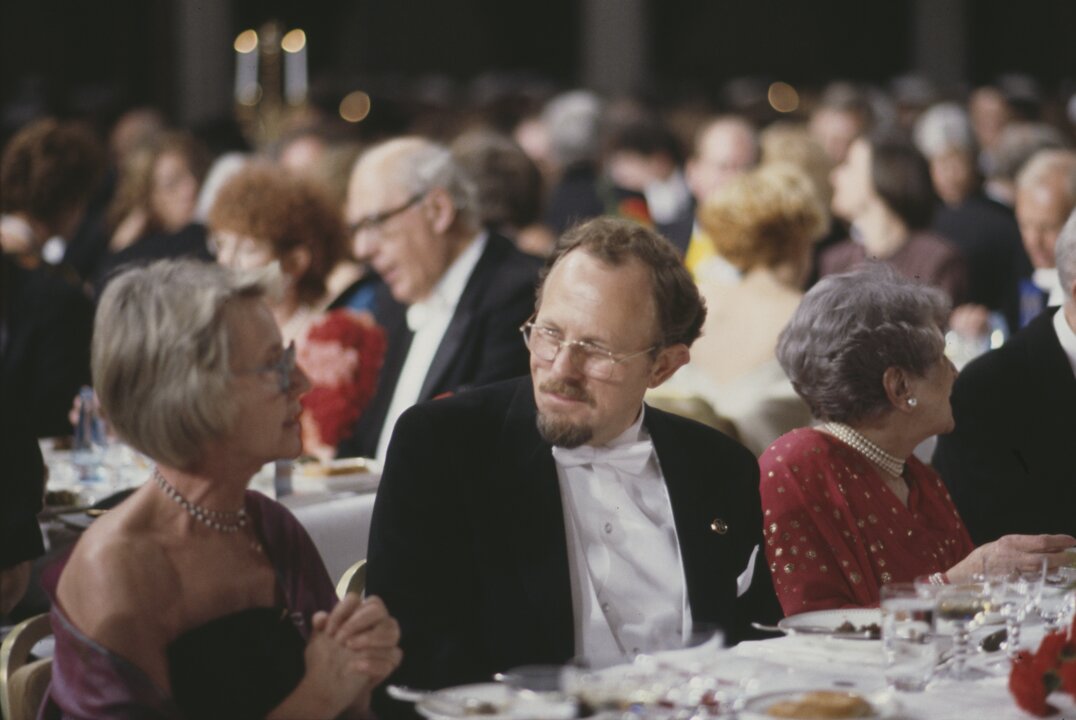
(858, 442)
(222, 521)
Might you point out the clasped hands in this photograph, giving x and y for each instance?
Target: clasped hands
(351, 649)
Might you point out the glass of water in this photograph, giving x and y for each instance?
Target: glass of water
(908, 635)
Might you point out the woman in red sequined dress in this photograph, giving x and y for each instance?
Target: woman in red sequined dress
(847, 506)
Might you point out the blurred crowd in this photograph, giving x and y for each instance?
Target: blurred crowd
(966, 194)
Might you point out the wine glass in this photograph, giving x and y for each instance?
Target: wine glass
(963, 605)
(1016, 594)
(1057, 602)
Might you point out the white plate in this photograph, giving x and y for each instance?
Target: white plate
(884, 703)
(820, 621)
(489, 701)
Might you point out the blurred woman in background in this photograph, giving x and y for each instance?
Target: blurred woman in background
(764, 223)
(884, 189)
(263, 215)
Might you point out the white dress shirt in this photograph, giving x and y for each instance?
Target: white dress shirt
(628, 587)
(1066, 336)
(428, 319)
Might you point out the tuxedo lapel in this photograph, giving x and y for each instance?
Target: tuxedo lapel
(532, 522)
(393, 318)
(459, 327)
(698, 498)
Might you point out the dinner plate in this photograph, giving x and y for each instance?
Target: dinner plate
(883, 703)
(490, 701)
(826, 622)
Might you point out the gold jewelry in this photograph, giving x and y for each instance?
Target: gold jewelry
(858, 442)
(223, 521)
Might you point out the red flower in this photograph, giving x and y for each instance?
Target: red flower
(1027, 685)
(1053, 650)
(1067, 671)
(342, 354)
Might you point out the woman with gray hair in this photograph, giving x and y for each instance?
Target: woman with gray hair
(847, 506)
(196, 597)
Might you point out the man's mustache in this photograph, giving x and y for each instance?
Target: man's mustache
(568, 390)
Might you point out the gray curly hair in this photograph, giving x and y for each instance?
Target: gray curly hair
(849, 329)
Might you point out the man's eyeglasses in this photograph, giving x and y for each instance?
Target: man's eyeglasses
(593, 361)
(375, 221)
(284, 368)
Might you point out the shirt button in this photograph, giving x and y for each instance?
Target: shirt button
(608, 528)
(605, 607)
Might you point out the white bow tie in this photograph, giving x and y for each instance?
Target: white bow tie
(630, 458)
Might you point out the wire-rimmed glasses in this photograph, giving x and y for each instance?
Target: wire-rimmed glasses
(284, 368)
(594, 361)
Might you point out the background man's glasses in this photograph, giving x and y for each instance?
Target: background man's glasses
(375, 221)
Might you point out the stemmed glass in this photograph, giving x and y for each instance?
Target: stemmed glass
(1016, 594)
(964, 606)
(1057, 603)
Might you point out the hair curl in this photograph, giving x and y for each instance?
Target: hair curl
(849, 329)
(766, 217)
(284, 211)
(160, 356)
(49, 169)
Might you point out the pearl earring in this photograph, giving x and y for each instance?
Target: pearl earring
(912, 402)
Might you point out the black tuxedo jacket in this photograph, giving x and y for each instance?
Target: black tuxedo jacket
(1009, 463)
(468, 546)
(481, 345)
(45, 326)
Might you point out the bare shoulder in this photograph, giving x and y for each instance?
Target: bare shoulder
(117, 575)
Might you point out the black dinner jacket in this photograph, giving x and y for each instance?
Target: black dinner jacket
(1009, 462)
(481, 345)
(467, 541)
(46, 321)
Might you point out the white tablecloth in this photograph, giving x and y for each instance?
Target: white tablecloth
(338, 523)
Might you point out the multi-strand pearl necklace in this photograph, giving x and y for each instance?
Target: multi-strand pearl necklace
(890, 463)
(222, 521)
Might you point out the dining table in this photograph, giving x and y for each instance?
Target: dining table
(332, 500)
(750, 677)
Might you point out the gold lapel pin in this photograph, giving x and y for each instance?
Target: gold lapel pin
(719, 526)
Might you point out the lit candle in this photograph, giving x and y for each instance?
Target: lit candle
(295, 74)
(246, 67)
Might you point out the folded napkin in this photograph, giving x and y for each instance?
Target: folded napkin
(810, 651)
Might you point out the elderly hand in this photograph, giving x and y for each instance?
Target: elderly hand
(366, 628)
(351, 650)
(1013, 552)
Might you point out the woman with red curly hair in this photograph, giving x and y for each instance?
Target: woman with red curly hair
(764, 223)
(264, 215)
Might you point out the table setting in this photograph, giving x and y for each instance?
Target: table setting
(91, 472)
(927, 652)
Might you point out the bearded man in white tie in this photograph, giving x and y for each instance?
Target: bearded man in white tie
(556, 515)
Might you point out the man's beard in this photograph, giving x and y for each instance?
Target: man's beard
(561, 432)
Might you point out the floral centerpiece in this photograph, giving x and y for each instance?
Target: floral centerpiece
(1035, 675)
(341, 354)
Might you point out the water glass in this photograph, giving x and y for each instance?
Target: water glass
(963, 606)
(908, 637)
(1057, 604)
(1017, 594)
(91, 438)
